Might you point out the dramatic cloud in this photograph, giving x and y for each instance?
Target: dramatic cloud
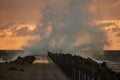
(68, 27)
(62, 24)
(112, 31)
(10, 43)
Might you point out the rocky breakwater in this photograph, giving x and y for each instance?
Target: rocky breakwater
(79, 68)
(22, 60)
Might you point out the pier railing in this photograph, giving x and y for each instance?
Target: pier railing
(78, 68)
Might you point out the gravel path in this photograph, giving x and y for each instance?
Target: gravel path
(43, 69)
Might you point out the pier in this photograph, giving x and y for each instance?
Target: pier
(79, 68)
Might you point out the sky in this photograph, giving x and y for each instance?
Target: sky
(73, 24)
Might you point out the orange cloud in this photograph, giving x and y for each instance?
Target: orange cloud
(15, 43)
(112, 32)
(9, 38)
(18, 29)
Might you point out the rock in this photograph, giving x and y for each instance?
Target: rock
(22, 60)
(69, 63)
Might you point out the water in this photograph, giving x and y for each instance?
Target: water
(9, 55)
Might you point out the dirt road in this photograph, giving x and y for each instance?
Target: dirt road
(42, 69)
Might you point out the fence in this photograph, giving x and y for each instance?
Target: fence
(78, 68)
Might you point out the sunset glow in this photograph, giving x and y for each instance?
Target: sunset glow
(112, 29)
(15, 43)
(10, 38)
(22, 24)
